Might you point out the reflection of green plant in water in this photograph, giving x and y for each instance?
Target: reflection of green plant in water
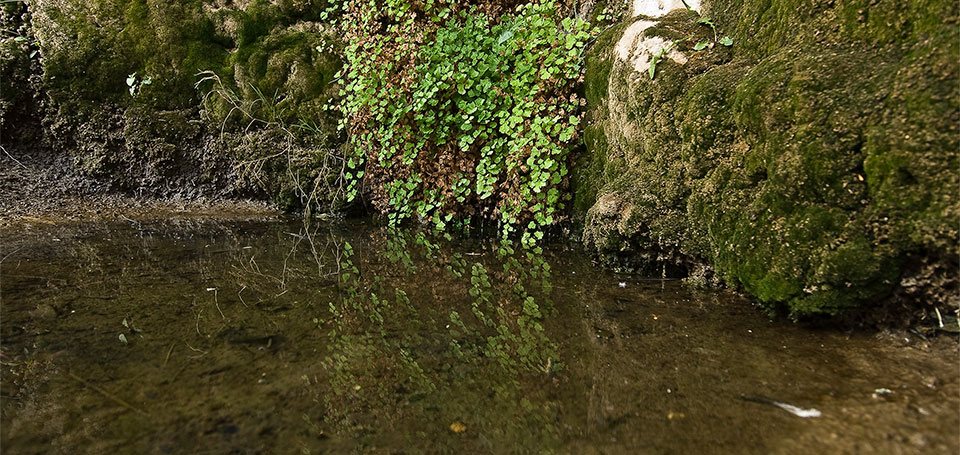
(519, 341)
(398, 357)
(360, 346)
(397, 250)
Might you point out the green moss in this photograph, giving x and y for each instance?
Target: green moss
(599, 61)
(761, 27)
(90, 55)
(19, 65)
(14, 73)
(263, 53)
(92, 45)
(286, 64)
(804, 165)
(588, 171)
(677, 25)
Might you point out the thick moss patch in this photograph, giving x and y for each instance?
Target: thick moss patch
(269, 73)
(92, 45)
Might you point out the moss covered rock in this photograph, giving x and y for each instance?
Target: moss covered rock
(813, 162)
(147, 93)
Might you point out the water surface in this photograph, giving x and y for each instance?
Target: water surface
(200, 336)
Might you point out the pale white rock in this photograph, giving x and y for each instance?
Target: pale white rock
(657, 8)
(638, 52)
(624, 48)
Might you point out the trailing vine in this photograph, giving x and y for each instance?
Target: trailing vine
(456, 111)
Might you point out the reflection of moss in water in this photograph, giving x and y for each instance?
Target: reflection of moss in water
(396, 363)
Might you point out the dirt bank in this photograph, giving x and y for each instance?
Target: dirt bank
(35, 193)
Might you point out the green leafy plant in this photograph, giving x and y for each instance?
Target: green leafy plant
(709, 22)
(659, 56)
(454, 111)
(136, 85)
(726, 40)
(35, 44)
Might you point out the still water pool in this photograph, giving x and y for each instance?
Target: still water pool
(247, 337)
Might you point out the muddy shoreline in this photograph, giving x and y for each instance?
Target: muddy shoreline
(43, 192)
(37, 193)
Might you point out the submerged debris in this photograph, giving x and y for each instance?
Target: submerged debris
(881, 392)
(797, 411)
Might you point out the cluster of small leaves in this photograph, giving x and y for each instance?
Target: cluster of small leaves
(453, 112)
(135, 85)
(35, 45)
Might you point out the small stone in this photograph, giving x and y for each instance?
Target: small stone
(44, 311)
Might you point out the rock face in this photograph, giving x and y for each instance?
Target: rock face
(813, 162)
(120, 101)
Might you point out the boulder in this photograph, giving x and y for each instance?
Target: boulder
(813, 163)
